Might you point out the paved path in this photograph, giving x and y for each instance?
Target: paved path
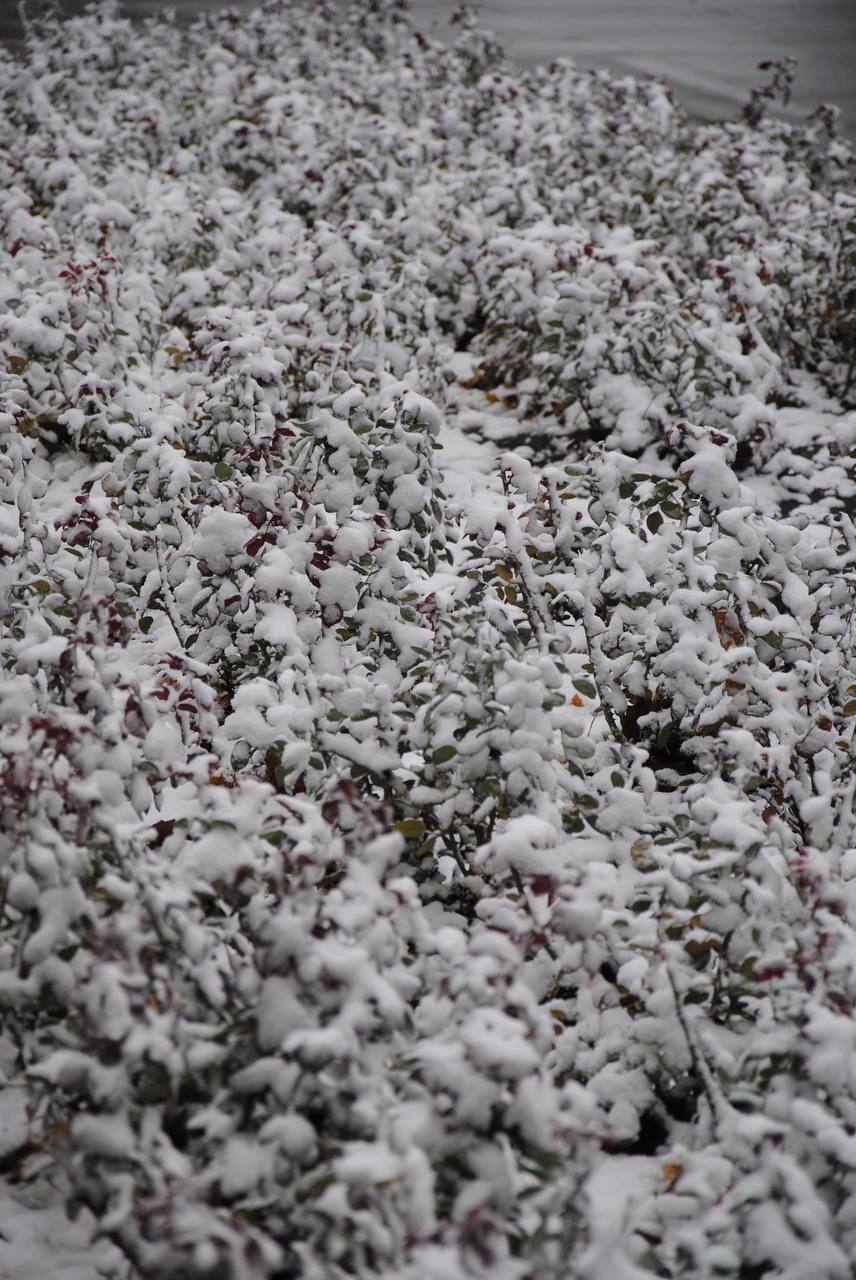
(707, 49)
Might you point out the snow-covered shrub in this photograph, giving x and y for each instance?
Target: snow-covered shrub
(408, 871)
(709, 619)
(677, 272)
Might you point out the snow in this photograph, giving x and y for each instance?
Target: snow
(220, 536)
(615, 1192)
(428, 681)
(38, 1238)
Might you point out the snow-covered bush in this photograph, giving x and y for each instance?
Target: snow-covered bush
(410, 872)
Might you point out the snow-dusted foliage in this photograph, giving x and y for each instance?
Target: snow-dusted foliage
(406, 874)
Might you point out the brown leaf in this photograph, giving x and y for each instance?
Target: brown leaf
(727, 627)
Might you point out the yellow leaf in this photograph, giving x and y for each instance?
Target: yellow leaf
(410, 828)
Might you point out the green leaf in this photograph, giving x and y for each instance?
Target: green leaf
(849, 708)
(442, 754)
(146, 623)
(585, 687)
(223, 471)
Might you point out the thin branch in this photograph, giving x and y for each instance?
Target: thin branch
(587, 618)
(170, 606)
(701, 1070)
